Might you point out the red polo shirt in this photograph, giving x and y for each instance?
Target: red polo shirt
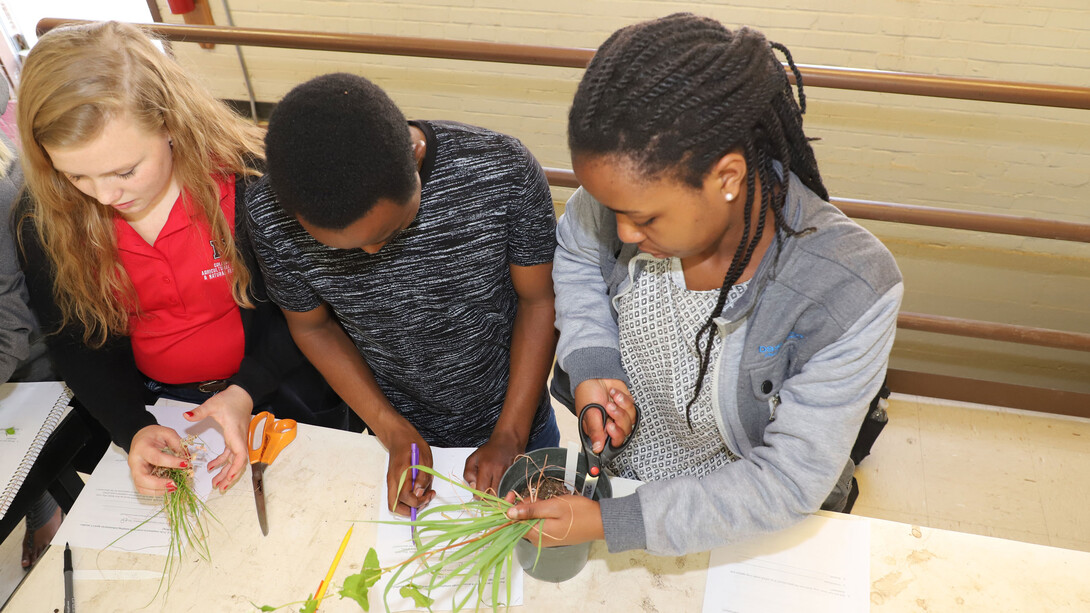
(189, 328)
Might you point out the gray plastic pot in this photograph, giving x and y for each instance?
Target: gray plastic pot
(555, 564)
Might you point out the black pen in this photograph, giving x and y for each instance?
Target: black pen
(69, 599)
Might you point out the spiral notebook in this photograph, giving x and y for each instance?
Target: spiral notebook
(28, 414)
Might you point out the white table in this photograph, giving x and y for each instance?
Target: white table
(327, 478)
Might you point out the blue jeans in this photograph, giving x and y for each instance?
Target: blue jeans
(548, 437)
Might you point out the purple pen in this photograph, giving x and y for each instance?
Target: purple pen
(415, 460)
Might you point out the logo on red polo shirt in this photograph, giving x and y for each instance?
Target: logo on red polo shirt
(218, 269)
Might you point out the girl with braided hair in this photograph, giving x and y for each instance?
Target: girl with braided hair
(702, 276)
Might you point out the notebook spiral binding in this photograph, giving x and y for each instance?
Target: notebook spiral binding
(36, 446)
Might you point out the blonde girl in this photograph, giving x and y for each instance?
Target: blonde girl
(133, 245)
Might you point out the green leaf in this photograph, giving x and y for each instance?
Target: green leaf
(371, 570)
(419, 599)
(310, 606)
(9, 430)
(356, 586)
(264, 608)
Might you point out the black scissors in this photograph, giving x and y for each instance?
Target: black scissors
(595, 460)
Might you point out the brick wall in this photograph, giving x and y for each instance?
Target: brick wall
(972, 155)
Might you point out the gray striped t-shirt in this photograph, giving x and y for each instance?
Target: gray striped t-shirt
(432, 312)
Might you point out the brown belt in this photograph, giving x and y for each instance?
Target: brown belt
(208, 387)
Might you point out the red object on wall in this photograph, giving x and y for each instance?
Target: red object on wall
(179, 7)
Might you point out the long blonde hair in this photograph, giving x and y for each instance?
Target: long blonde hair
(75, 80)
(5, 158)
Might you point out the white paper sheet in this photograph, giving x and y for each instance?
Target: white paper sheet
(819, 565)
(623, 487)
(393, 543)
(108, 510)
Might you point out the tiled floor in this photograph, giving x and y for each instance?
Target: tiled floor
(957, 466)
(978, 469)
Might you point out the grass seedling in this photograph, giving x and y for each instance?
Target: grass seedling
(184, 512)
(467, 547)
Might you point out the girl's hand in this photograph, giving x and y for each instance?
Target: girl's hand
(146, 453)
(612, 394)
(231, 409)
(569, 520)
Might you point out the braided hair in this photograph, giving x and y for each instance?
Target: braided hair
(674, 95)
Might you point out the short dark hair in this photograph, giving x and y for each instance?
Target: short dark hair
(336, 145)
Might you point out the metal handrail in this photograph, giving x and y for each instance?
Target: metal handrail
(816, 76)
(912, 84)
(925, 216)
(1009, 333)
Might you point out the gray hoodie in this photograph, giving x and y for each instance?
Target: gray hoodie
(22, 351)
(815, 327)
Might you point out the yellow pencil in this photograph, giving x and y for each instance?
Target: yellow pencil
(333, 568)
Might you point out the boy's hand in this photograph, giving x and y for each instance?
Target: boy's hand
(485, 467)
(400, 447)
(612, 394)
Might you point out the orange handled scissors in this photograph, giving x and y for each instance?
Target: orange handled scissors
(274, 436)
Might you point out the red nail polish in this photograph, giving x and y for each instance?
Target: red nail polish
(171, 487)
(184, 465)
(188, 413)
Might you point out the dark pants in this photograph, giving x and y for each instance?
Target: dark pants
(304, 396)
(549, 437)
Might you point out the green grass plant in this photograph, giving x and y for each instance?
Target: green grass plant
(184, 512)
(468, 546)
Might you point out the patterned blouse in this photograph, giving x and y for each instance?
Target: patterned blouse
(658, 319)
